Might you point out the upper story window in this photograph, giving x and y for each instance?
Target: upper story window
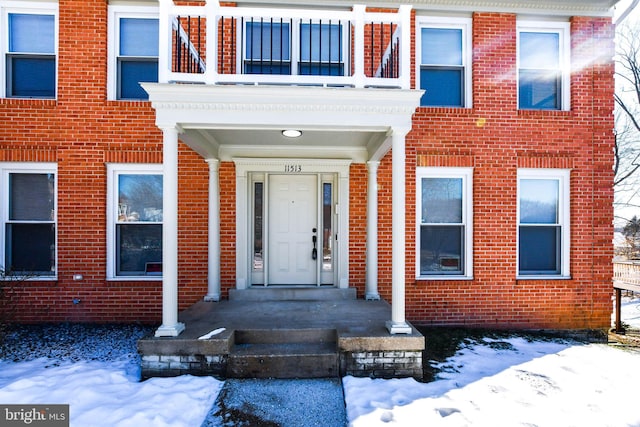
(133, 50)
(29, 48)
(28, 219)
(543, 65)
(269, 48)
(444, 222)
(444, 58)
(134, 215)
(321, 50)
(543, 222)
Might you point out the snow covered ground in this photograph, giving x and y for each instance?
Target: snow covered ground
(510, 381)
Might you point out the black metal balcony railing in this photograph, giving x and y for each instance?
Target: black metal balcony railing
(222, 45)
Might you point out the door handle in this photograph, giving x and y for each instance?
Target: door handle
(314, 251)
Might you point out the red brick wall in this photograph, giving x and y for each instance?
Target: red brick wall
(81, 131)
(496, 139)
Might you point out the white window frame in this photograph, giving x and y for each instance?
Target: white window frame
(115, 13)
(466, 174)
(563, 29)
(7, 168)
(113, 171)
(563, 176)
(26, 7)
(464, 24)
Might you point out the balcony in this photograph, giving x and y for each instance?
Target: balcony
(218, 45)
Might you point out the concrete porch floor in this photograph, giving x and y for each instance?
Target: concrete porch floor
(353, 329)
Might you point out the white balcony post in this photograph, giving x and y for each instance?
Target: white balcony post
(164, 44)
(405, 46)
(170, 326)
(213, 293)
(212, 9)
(398, 324)
(358, 45)
(371, 284)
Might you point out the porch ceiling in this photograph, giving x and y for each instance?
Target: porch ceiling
(224, 122)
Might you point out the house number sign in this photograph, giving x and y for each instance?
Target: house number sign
(292, 168)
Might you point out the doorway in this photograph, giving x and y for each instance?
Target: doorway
(293, 221)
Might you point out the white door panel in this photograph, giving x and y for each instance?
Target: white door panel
(293, 215)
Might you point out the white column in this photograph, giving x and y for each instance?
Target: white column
(398, 324)
(170, 326)
(213, 293)
(371, 286)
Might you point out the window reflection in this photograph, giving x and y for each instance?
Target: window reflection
(257, 225)
(327, 241)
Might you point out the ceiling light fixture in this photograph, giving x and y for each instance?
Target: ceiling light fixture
(292, 133)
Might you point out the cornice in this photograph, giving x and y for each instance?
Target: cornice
(283, 107)
(551, 7)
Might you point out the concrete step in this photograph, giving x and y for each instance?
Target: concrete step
(285, 336)
(292, 293)
(284, 353)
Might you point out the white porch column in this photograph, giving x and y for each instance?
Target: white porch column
(398, 324)
(170, 326)
(213, 293)
(371, 286)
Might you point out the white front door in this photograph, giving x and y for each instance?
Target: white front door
(292, 230)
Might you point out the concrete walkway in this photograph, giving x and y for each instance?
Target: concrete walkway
(278, 402)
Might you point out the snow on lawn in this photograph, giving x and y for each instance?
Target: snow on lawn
(104, 394)
(509, 382)
(95, 369)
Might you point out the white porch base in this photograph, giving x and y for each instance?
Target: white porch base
(170, 331)
(398, 328)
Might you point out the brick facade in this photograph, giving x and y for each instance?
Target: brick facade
(81, 132)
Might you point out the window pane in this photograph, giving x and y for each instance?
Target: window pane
(267, 41)
(539, 201)
(443, 87)
(441, 46)
(539, 251)
(138, 246)
(258, 198)
(327, 231)
(442, 200)
(539, 50)
(139, 37)
(134, 72)
(441, 249)
(140, 198)
(30, 248)
(31, 77)
(324, 42)
(321, 69)
(31, 33)
(267, 68)
(539, 89)
(31, 197)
